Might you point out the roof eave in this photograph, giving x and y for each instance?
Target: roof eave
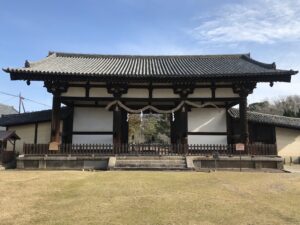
(283, 76)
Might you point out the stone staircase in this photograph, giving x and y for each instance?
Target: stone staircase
(150, 163)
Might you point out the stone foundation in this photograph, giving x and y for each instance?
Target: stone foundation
(163, 163)
(234, 162)
(62, 162)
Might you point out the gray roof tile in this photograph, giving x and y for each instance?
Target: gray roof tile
(199, 66)
(30, 117)
(280, 121)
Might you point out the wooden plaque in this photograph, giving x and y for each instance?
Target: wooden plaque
(53, 146)
(240, 147)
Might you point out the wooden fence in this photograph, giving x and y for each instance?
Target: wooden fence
(149, 149)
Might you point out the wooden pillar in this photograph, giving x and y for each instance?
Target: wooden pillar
(124, 127)
(244, 89)
(174, 128)
(183, 125)
(179, 127)
(117, 126)
(244, 119)
(55, 123)
(66, 136)
(56, 88)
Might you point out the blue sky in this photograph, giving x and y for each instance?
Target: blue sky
(268, 29)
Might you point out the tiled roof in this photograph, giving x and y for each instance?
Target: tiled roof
(6, 109)
(280, 121)
(71, 65)
(30, 117)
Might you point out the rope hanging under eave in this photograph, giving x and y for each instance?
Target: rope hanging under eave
(136, 111)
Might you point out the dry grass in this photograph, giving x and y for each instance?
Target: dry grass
(49, 197)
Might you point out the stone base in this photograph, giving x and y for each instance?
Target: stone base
(148, 162)
(235, 162)
(62, 162)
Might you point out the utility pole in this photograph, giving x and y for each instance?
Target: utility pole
(21, 104)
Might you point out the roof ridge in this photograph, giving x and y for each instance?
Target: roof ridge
(265, 65)
(266, 114)
(25, 113)
(34, 63)
(88, 55)
(274, 115)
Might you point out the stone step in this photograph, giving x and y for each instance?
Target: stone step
(152, 168)
(150, 164)
(150, 157)
(149, 161)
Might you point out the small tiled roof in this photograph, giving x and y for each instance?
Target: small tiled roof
(279, 121)
(71, 66)
(30, 117)
(6, 109)
(9, 134)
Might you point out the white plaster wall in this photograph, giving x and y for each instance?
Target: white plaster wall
(207, 139)
(288, 142)
(201, 93)
(225, 93)
(92, 139)
(74, 92)
(26, 133)
(137, 93)
(99, 92)
(44, 132)
(164, 93)
(207, 120)
(92, 119)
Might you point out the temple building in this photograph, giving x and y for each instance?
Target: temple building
(102, 92)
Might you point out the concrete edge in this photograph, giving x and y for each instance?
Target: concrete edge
(190, 162)
(111, 163)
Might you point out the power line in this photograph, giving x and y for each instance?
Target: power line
(6, 100)
(23, 98)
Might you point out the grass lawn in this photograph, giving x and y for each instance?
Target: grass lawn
(53, 197)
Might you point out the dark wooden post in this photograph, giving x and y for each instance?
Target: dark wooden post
(183, 125)
(117, 89)
(180, 128)
(124, 127)
(174, 128)
(244, 89)
(55, 123)
(244, 119)
(56, 88)
(117, 128)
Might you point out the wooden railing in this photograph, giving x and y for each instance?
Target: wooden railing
(149, 149)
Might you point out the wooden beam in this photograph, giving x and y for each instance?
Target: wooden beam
(207, 133)
(101, 99)
(92, 132)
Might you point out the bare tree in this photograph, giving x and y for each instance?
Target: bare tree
(284, 106)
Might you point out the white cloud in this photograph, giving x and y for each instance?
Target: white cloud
(260, 21)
